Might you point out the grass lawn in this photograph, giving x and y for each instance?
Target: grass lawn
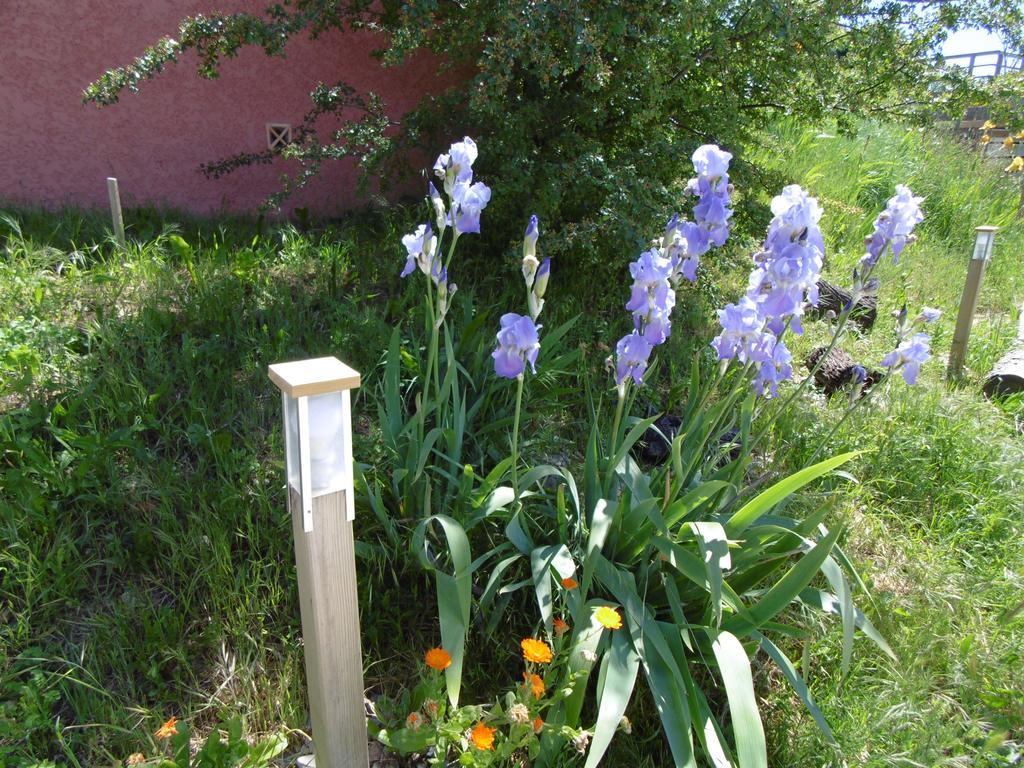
(147, 567)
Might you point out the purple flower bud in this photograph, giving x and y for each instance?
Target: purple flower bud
(929, 314)
(540, 283)
(518, 344)
(530, 237)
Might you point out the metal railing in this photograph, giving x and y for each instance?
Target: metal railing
(985, 65)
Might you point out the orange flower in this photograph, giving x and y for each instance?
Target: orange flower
(482, 736)
(136, 758)
(168, 729)
(536, 651)
(536, 683)
(432, 708)
(560, 627)
(537, 725)
(608, 618)
(438, 658)
(414, 721)
(570, 583)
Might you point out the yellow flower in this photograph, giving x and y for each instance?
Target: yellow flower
(608, 618)
(560, 627)
(1020, 136)
(414, 721)
(570, 583)
(988, 124)
(536, 651)
(136, 758)
(482, 736)
(168, 729)
(1016, 165)
(536, 684)
(1008, 142)
(985, 139)
(538, 724)
(438, 658)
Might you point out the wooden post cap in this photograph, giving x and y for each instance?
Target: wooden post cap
(318, 376)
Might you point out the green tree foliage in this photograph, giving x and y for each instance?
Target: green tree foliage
(589, 109)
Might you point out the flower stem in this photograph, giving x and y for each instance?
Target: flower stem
(515, 437)
(856, 403)
(618, 418)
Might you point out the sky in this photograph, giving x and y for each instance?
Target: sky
(971, 41)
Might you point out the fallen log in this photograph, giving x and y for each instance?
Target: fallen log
(837, 371)
(835, 298)
(1007, 377)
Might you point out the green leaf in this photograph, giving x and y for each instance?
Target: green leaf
(715, 551)
(613, 694)
(600, 525)
(825, 601)
(789, 672)
(747, 729)
(693, 500)
(786, 589)
(763, 502)
(453, 594)
(542, 560)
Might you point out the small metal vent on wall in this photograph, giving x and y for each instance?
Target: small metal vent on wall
(279, 135)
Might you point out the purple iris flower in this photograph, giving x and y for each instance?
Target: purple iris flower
(930, 314)
(420, 246)
(908, 356)
(631, 357)
(710, 161)
(742, 331)
(776, 367)
(518, 344)
(786, 277)
(456, 165)
(894, 227)
(468, 200)
(796, 217)
(652, 299)
(711, 213)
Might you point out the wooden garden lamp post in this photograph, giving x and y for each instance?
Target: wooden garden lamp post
(316, 395)
(984, 238)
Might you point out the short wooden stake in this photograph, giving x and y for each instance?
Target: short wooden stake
(115, 210)
(316, 395)
(983, 241)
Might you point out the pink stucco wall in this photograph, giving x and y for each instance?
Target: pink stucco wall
(55, 151)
